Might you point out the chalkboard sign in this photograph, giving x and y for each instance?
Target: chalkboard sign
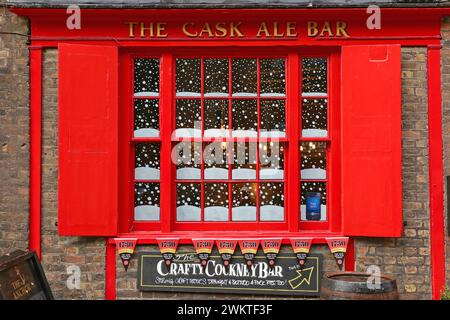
(22, 277)
(185, 274)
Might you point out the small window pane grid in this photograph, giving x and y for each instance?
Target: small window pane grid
(228, 110)
(314, 139)
(209, 120)
(146, 139)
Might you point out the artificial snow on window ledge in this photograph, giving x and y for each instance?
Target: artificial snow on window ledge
(272, 134)
(243, 173)
(146, 133)
(314, 133)
(216, 94)
(210, 133)
(216, 173)
(323, 212)
(188, 133)
(271, 213)
(314, 94)
(146, 173)
(244, 133)
(313, 174)
(146, 213)
(244, 213)
(147, 94)
(188, 173)
(188, 94)
(270, 173)
(188, 213)
(272, 94)
(244, 94)
(216, 213)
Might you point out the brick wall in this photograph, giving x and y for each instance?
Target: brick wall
(446, 124)
(58, 253)
(14, 133)
(407, 258)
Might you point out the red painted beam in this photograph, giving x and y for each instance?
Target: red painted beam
(35, 148)
(436, 171)
(350, 256)
(110, 274)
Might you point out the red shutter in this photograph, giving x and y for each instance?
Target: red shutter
(88, 107)
(371, 141)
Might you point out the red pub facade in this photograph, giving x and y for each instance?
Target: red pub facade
(321, 103)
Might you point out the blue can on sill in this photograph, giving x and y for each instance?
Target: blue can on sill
(313, 208)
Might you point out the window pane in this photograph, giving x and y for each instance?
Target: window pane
(216, 77)
(216, 160)
(244, 202)
(271, 158)
(146, 118)
(146, 77)
(245, 118)
(146, 201)
(271, 202)
(314, 118)
(216, 118)
(188, 202)
(216, 202)
(313, 193)
(147, 161)
(244, 77)
(273, 118)
(314, 78)
(188, 160)
(273, 80)
(188, 77)
(244, 160)
(188, 118)
(314, 160)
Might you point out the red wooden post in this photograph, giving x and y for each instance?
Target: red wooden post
(292, 197)
(110, 274)
(35, 148)
(436, 171)
(350, 256)
(166, 145)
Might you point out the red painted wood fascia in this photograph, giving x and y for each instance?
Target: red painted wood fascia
(110, 273)
(436, 172)
(35, 148)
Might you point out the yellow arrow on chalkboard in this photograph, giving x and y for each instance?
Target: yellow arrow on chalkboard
(303, 276)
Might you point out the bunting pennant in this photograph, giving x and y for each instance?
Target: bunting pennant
(249, 248)
(271, 248)
(125, 249)
(203, 248)
(301, 247)
(226, 249)
(338, 247)
(168, 248)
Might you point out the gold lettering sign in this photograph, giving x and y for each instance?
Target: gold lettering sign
(234, 29)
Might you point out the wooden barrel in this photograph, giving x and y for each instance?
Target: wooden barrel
(353, 286)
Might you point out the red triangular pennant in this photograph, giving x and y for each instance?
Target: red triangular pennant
(271, 248)
(301, 247)
(125, 249)
(203, 248)
(338, 247)
(168, 248)
(226, 249)
(249, 247)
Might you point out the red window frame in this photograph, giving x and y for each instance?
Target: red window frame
(293, 98)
